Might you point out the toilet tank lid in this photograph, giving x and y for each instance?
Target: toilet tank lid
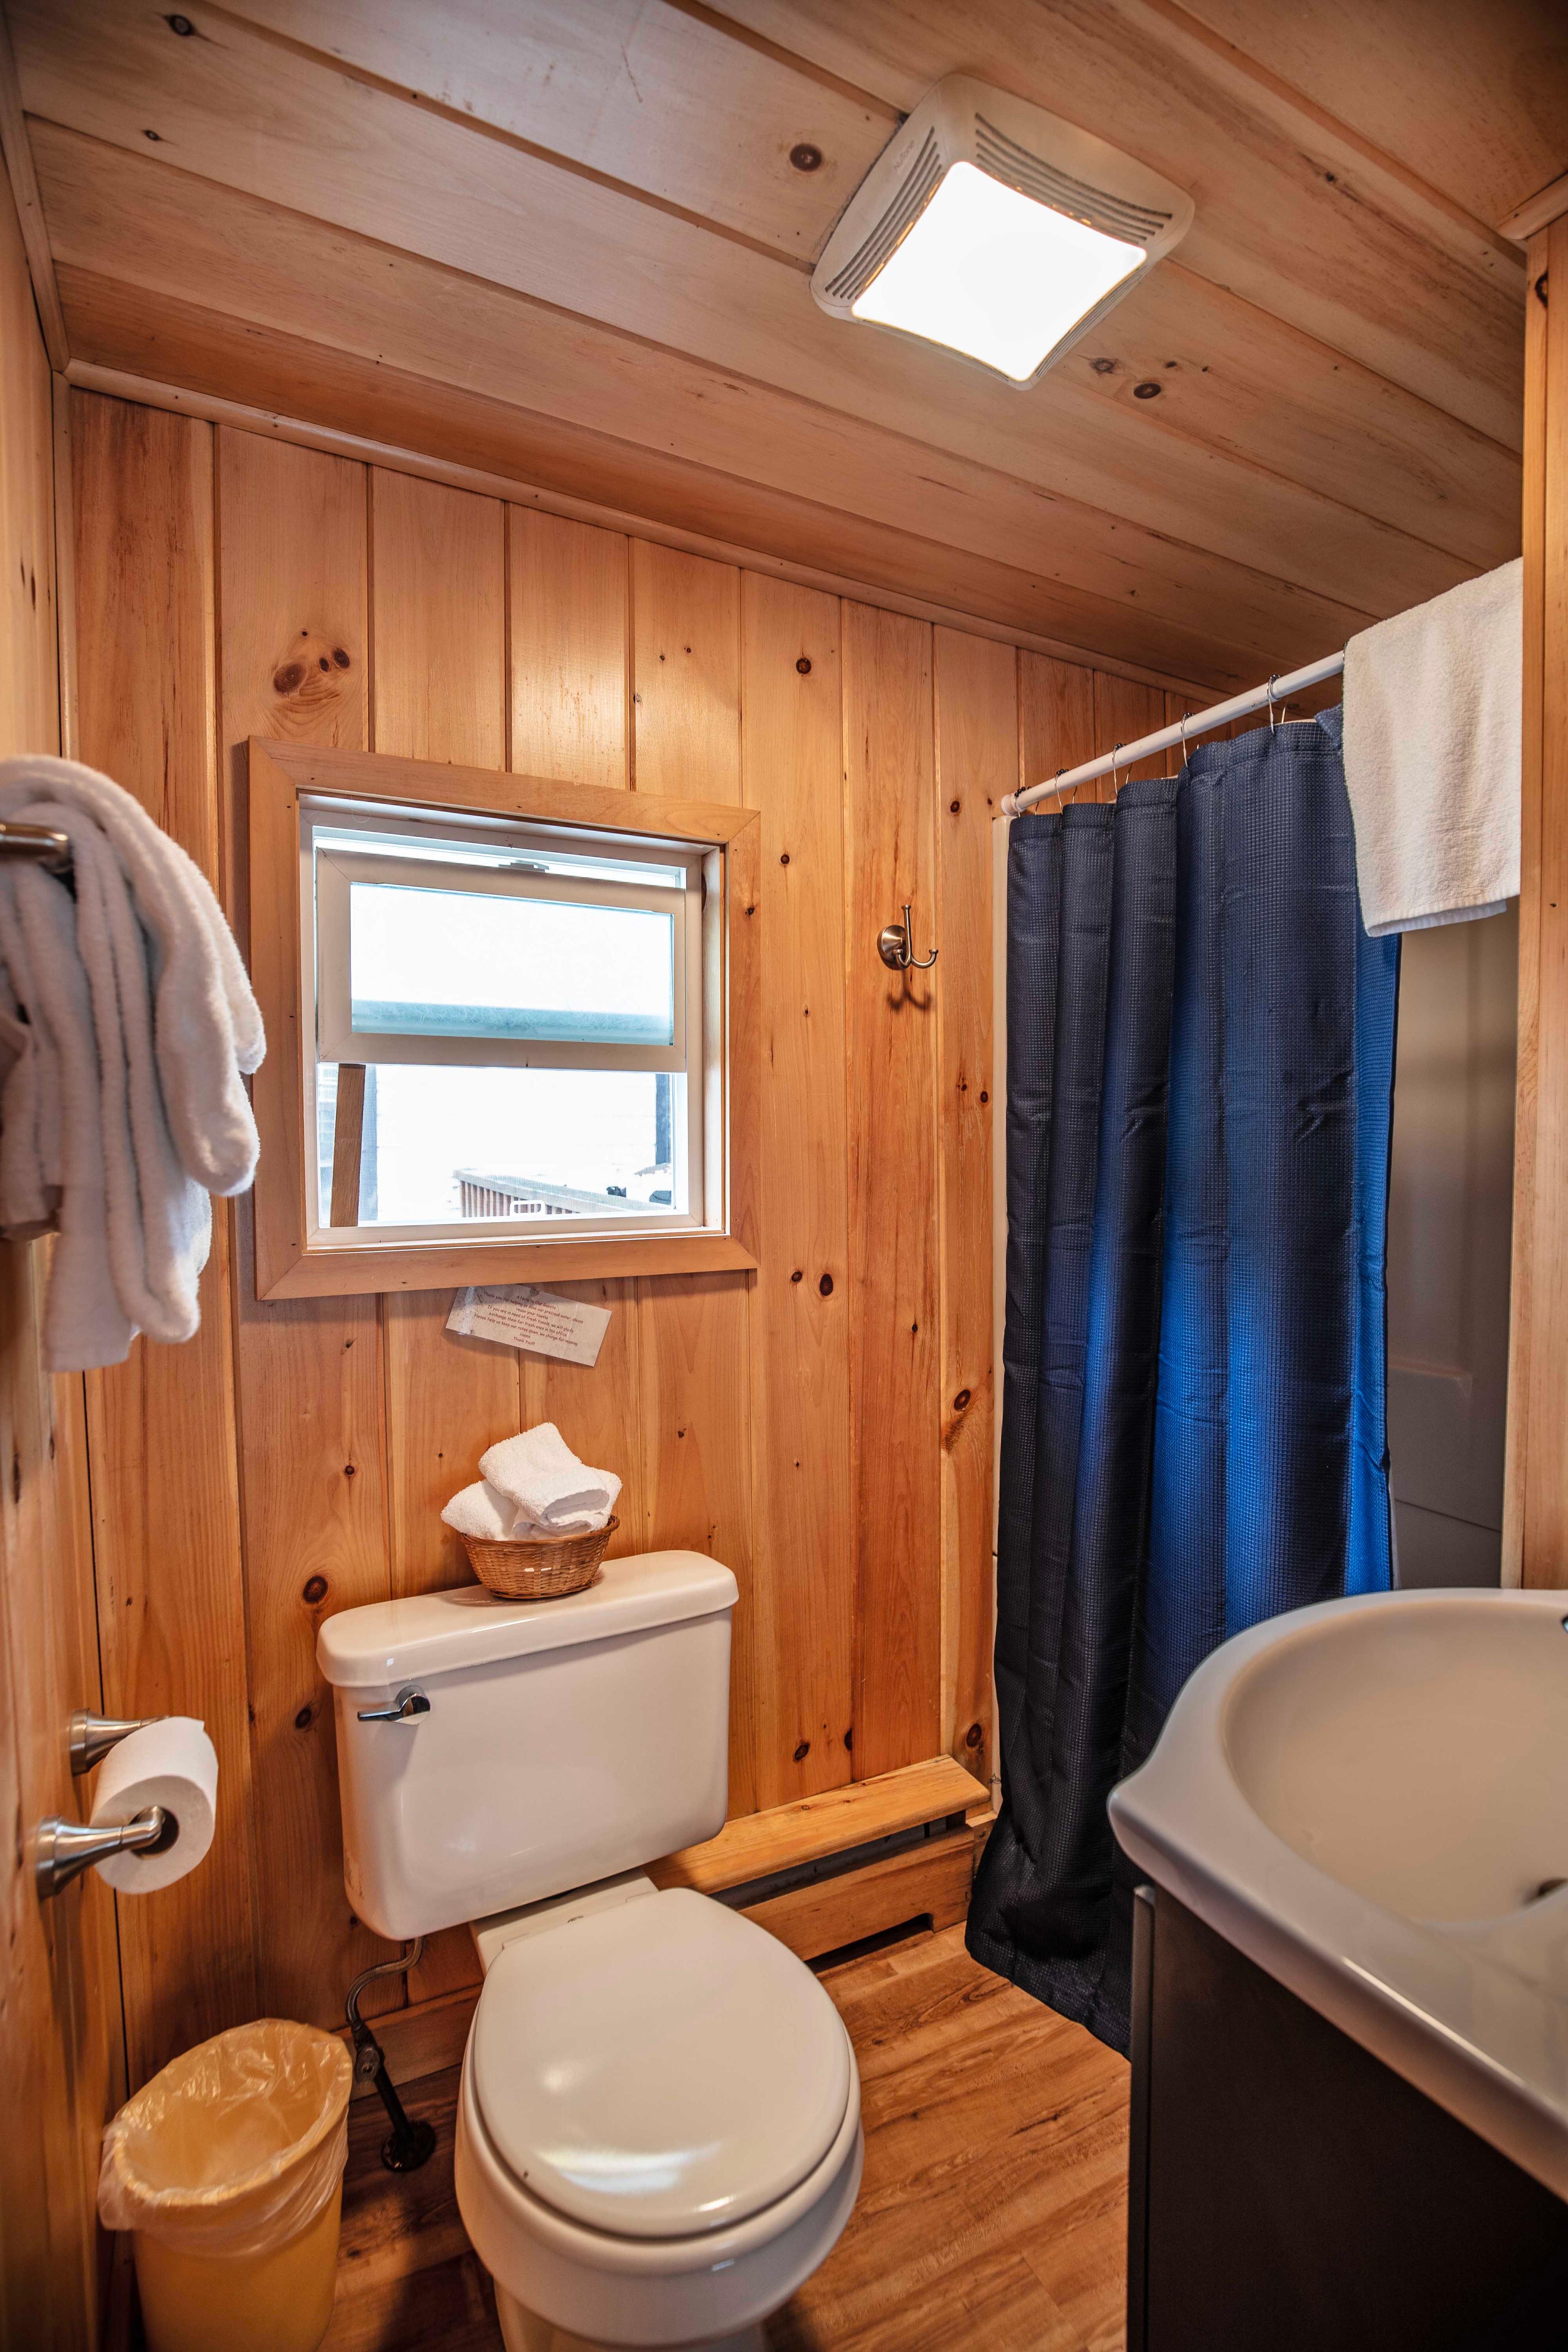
(437, 1632)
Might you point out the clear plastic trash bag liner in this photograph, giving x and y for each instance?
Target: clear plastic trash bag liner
(234, 2147)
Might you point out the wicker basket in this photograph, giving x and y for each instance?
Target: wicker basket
(538, 1568)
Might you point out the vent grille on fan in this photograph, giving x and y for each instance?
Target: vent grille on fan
(914, 194)
(1114, 216)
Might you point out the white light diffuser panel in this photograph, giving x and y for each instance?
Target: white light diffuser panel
(997, 230)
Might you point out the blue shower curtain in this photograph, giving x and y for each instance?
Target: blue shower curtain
(1200, 1091)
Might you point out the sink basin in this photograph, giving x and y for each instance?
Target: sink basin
(1418, 1753)
(1370, 1799)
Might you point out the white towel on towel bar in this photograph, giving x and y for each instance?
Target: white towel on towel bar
(207, 1024)
(84, 1321)
(123, 1105)
(1432, 717)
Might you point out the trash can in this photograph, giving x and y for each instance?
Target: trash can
(228, 2167)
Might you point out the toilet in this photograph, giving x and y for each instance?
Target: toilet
(658, 2129)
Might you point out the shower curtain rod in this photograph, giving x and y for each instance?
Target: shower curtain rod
(1199, 722)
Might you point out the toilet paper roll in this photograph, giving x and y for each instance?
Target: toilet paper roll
(172, 1764)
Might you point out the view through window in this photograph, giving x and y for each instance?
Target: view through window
(510, 1025)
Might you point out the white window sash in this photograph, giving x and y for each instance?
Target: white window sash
(319, 953)
(337, 1039)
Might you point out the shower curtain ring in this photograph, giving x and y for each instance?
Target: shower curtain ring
(1273, 722)
(1072, 791)
(1115, 787)
(1182, 746)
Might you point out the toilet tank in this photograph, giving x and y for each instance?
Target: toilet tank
(562, 1741)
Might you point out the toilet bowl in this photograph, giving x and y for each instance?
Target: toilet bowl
(658, 2133)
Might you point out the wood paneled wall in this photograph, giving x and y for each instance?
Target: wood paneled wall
(1535, 1498)
(825, 1425)
(61, 2059)
(552, 258)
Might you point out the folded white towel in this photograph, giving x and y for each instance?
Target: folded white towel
(127, 1020)
(1432, 715)
(479, 1510)
(550, 1488)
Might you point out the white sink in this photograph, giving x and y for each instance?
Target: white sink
(1367, 1798)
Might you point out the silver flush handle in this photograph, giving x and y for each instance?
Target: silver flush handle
(410, 1701)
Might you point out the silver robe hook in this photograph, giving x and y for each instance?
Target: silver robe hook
(896, 946)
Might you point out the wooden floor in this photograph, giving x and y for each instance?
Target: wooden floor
(993, 2212)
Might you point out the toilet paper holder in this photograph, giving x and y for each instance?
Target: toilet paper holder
(62, 1849)
(92, 1737)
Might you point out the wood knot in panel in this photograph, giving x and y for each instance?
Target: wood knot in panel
(312, 681)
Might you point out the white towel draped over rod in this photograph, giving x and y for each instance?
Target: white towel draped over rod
(1199, 722)
(127, 1027)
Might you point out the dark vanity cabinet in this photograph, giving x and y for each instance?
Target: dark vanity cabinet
(1289, 2192)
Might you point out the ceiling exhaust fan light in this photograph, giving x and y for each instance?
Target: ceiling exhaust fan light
(987, 271)
(996, 230)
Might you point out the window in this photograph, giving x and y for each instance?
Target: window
(517, 1043)
(527, 1015)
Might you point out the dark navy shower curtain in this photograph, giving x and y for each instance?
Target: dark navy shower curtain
(1200, 1084)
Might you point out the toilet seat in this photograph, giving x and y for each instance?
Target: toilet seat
(649, 2290)
(658, 2070)
(736, 2029)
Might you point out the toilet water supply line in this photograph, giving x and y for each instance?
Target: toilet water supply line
(410, 2143)
(1166, 738)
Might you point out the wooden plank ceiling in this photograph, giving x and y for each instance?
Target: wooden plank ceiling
(565, 240)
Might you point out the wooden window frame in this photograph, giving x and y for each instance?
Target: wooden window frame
(291, 1265)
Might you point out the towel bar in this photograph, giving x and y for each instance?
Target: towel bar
(40, 843)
